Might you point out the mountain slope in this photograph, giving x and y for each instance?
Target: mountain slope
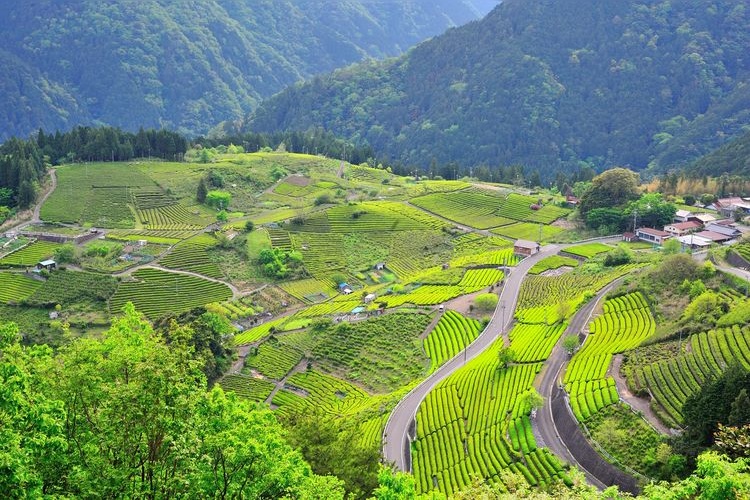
(545, 83)
(189, 64)
(733, 158)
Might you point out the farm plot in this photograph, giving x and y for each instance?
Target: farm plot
(15, 287)
(528, 231)
(232, 309)
(552, 262)
(171, 218)
(191, 255)
(462, 427)
(322, 254)
(378, 217)
(625, 324)
(382, 353)
(534, 342)
(156, 293)
(259, 332)
(465, 207)
(73, 287)
(503, 257)
(246, 387)
(588, 250)
(743, 250)
(473, 243)
(538, 293)
(449, 337)
(273, 359)
(518, 207)
(309, 290)
(671, 381)
(30, 255)
(312, 390)
(96, 193)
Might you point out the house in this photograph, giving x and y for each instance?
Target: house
(724, 228)
(379, 266)
(713, 236)
(49, 265)
(628, 237)
(525, 247)
(652, 235)
(695, 242)
(682, 215)
(702, 218)
(369, 298)
(683, 228)
(727, 207)
(345, 288)
(572, 200)
(142, 243)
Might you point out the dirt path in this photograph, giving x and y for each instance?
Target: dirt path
(301, 366)
(53, 186)
(235, 292)
(340, 173)
(242, 352)
(638, 404)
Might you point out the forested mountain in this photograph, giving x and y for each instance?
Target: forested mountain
(733, 158)
(189, 64)
(549, 84)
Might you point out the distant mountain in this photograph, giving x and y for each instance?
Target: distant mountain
(550, 84)
(733, 158)
(189, 64)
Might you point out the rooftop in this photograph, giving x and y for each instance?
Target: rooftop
(525, 244)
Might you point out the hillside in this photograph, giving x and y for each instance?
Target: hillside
(732, 158)
(547, 84)
(187, 65)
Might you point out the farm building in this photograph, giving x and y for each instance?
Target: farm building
(628, 237)
(49, 265)
(683, 228)
(714, 236)
(702, 218)
(652, 235)
(345, 288)
(379, 266)
(525, 247)
(682, 215)
(369, 298)
(694, 242)
(724, 227)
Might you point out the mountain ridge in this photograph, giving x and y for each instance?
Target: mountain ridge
(547, 84)
(188, 65)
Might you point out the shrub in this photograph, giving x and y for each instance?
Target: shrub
(486, 302)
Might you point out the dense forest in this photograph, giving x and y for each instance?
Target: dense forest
(546, 84)
(732, 158)
(187, 65)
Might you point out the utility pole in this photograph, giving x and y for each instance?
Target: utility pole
(635, 219)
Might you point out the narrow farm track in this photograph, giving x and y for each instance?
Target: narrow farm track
(38, 207)
(396, 447)
(235, 292)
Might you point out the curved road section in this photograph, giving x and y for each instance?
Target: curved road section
(400, 428)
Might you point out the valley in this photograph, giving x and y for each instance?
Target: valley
(339, 283)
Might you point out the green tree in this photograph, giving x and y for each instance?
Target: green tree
(505, 356)
(570, 344)
(395, 486)
(33, 447)
(530, 400)
(671, 247)
(486, 302)
(218, 199)
(202, 191)
(652, 210)
(249, 226)
(715, 477)
(66, 254)
(609, 189)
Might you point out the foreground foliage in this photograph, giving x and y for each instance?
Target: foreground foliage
(129, 416)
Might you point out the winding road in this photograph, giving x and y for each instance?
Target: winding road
(396, 447)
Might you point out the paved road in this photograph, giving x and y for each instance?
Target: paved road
(545, 428)
(396, 447)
